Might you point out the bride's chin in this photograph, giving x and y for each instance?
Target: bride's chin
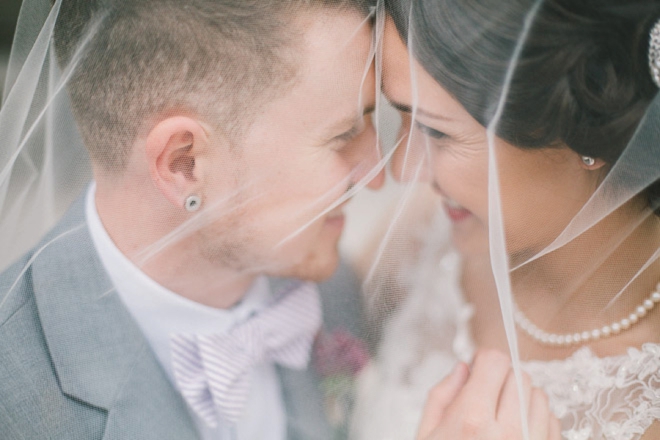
(470, 241)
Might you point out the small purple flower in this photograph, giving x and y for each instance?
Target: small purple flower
(339, 354)
(338, 358)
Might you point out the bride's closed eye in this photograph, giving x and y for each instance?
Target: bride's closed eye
(432, 132)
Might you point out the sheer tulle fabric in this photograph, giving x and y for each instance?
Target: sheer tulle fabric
(533, 230)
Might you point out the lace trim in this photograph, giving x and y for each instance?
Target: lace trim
(611, 398)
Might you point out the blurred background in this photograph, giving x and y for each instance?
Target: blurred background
(8, 16)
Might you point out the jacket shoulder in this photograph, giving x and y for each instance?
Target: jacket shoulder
(15, 288)
(32, 404)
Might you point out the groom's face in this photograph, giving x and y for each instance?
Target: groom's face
(299, 157)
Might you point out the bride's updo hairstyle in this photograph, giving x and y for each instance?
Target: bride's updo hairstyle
(582, 80)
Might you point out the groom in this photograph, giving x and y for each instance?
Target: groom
(218, 131)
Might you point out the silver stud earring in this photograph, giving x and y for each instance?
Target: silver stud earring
(588, 160)
(193, 203)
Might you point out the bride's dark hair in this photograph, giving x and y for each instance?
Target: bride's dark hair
(583, 77)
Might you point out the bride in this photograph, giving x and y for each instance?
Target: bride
(536, 127)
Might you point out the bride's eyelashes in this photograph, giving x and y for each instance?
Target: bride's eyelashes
(431, 132)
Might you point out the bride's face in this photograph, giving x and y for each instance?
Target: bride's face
(541, 189)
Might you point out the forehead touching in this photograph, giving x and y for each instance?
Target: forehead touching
(335, 82)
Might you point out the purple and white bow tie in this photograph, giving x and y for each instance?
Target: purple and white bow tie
(213, 371)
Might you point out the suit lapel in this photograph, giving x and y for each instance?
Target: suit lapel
(304, 405)
(98, 352)
(301, 394)
(148, 405)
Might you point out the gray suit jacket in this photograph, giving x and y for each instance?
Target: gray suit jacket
(74, 365)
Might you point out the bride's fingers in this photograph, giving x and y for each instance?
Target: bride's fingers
(539, 416)
(554, 430)
(508, 410)
(482, 391)
(440, 397)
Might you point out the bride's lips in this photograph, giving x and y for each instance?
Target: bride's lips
(455, 211)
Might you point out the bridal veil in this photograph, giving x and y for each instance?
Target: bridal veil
(527, 160)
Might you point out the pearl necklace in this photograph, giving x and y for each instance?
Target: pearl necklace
(566, 340)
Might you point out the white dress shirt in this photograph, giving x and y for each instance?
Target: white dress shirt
(160, 312)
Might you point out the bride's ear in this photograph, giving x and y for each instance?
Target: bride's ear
(175, 148)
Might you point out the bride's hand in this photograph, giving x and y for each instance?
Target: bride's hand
(483, 404)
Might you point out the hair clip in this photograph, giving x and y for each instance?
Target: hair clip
(654, 53)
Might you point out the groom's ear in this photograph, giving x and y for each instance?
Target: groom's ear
(174, 148)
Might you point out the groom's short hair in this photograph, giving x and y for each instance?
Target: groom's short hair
(137, 59)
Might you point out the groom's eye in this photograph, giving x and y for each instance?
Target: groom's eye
(357, 126)
(348, 135)
(431, 132)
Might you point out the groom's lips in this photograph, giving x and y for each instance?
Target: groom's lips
(336, 220)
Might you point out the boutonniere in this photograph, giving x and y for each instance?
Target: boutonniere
(338, 358)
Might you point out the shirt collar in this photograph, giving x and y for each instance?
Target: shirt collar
(163, 310)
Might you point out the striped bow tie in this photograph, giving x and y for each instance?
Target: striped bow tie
(213, 371)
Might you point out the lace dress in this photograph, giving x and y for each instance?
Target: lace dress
(612, 398)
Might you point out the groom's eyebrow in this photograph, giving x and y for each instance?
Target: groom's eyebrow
(355, 124)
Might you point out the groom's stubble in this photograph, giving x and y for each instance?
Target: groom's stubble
(283, 168)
